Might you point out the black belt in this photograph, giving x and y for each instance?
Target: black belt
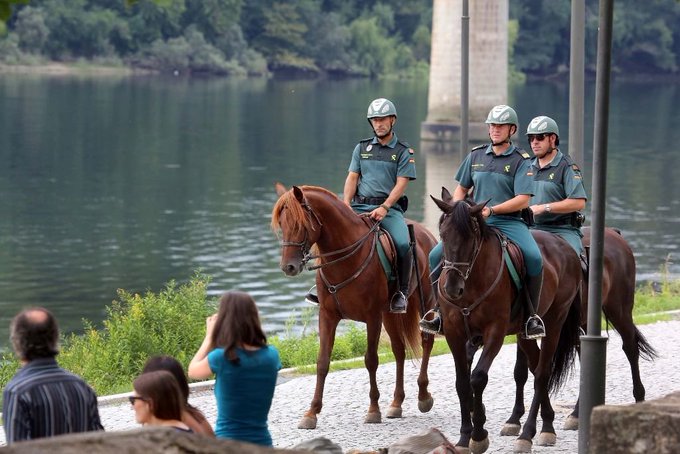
(558, 223)
(369, 200)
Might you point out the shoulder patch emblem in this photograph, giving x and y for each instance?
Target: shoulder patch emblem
(410, 151)
(524, 154)
(412, 161)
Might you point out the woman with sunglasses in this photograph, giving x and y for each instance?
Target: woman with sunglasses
(191, 416)
(499, 172)
(157, 400)
(235, 350)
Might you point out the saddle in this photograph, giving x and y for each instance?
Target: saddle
(386, 251)
(514, 262)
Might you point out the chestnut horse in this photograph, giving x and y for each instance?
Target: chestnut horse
(618, 297)
(476, 296)
(352, 284)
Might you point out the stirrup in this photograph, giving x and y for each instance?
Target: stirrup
(539, 328)
(432, 326)
(401, 308)
(311, 296)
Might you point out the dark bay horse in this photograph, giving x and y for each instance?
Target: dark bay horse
(352, 285)
(476, 295)
(618, 297)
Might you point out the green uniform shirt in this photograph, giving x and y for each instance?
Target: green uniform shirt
(380, 165)
(499, 178)
(559, 180)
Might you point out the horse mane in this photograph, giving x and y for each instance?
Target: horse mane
(298, 217)
(461, 220)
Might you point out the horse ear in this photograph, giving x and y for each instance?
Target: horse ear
(446, 195)
(298, 194)
(444, 206)
(280, 188)
(479, 207)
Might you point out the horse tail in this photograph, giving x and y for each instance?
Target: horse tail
(566, 352)
(406, 326)
(644, 347)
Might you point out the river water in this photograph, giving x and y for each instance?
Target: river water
(130, 182)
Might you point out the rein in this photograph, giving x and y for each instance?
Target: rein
(465, 311)
(348, 252)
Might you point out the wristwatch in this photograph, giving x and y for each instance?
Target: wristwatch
(548, 208)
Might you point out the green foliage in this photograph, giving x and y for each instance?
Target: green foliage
(170, 322)
(31, 29)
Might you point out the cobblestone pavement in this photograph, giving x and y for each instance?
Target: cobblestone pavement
(346, 399)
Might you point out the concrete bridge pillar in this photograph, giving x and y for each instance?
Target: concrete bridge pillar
(488, 67)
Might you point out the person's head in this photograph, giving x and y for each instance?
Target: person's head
(543, 135)
(35, 334)
(173, 366)
(237, 324)
(381, 116)
(156, 397)
(503, 123)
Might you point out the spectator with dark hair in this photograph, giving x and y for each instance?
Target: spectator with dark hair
(235, 349)
(191, 416)
(42, 399)
(158, 401)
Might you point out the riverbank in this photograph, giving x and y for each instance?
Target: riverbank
(73, 69)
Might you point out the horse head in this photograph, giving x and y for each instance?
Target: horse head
(461, 229)
(294, 220)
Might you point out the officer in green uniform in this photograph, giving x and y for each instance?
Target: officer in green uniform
(501, 172)
(379, 172)
(559, 194)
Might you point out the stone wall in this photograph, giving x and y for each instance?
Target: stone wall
(652, 426)
(141, 441)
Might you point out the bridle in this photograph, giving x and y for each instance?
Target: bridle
(449, 265)
(347, 252)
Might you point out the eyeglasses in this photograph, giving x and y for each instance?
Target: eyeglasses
(539, 137)
(132, 399)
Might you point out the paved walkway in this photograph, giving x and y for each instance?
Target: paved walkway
(346, 399)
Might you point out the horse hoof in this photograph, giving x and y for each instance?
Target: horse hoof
(307, 422)
(546, 439)
(522, 445)
(393, 412)
(510, 430)
(571, 423)
(373, 418)
(478, 447)
(425, 405)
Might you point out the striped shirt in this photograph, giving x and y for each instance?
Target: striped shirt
(43, 400)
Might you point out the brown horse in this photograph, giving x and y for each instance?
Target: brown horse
(618, 297)
(476, 296)
(353, 285)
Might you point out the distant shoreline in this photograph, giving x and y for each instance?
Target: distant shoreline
(72, 69)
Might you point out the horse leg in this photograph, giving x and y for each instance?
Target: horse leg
(425, 400)
(541, 399)
(371, 362)
(521, 374)
(327, 326)
(478, 380)
(399, 351)
(463, 388)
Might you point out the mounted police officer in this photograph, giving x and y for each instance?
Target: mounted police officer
(559, 194)
(501, 172)
(379, 172)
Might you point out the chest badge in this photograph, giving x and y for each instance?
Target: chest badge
(507, 168)
(551, 176)
(394, 157)
(369, 147)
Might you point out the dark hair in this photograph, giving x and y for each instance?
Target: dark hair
(170, 364)
(35, 334)
(238, 323)
(161, 390)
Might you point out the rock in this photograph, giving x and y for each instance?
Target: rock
(652, 426)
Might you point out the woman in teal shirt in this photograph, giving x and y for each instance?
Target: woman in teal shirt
(235, 350)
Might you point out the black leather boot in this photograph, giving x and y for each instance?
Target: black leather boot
(534, 327)
(399, 300)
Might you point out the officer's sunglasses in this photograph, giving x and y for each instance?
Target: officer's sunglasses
(539, 137)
